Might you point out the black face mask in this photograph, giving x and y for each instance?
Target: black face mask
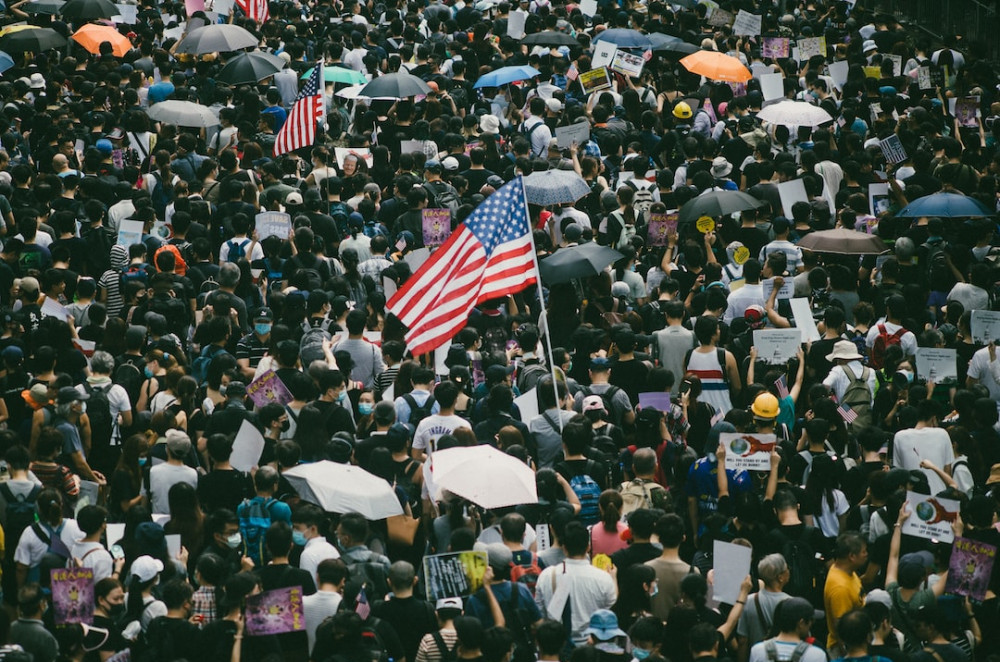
(285, 425)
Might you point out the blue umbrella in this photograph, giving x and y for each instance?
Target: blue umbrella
(6, 62)
(945, 205)
(505, 75)
(625, 38)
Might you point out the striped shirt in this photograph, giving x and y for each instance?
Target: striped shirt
(251, 347)
(714, 389)
(111, 284)
(428, 651)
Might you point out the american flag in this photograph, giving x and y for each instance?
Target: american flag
(782, 387)
(488, 256)
(846, 413)
(255, 9)
(361, 606)
(299, 130)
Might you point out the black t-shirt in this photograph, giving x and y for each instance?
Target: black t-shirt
(114, 643)
(173, 639)
(337, 418)
(753, 238)
(569, 469)
(223, 489)
(630, 376)
(634, 554)
(411, 617)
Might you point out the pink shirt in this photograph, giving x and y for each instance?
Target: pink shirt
(603, 542)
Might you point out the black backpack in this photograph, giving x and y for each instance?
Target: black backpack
(129, 378)
(803, 577)
(608, 397)
(99, 413)
(418, 413)
(370, 575)
(21, 513)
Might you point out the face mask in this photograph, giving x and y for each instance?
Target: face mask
(285, 425)
(569, 367)
(365, 408)
(143, 461)
(83, 407)
(149, 373)
(640, 653)
(262, 329)
(116, 611)
(222, 390)
(655, 589)
(233, 541)
(299, 538)
(342, 397)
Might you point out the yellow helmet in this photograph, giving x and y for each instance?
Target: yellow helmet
(682, 111)
(765, 405)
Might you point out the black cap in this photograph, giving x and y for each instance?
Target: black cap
(264, 315)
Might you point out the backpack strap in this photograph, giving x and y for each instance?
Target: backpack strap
(442, 647)
(761, 616)
(8, 494)
(720, 356)
(40, 532)
(771, 650)
(552, 424)
(800, 650)
(933, 653)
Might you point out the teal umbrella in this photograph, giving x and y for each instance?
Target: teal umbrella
(340, 75)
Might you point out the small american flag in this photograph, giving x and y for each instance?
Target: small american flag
(782, 387)
(361, 606)
(299, 130)
(255, 9)
(846, 413)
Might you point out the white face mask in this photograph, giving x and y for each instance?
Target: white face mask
(234, 540)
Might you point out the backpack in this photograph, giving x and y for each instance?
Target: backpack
(444, 195)
(129, 378)
(640, 493)
(530, 375)
(199, 367)
(135, 273)
(371, 643)
(21, 513)
(801, 560)
(642, 201)
(526, 574)
(445, 654)
(161, 195)
(937, 269)
(254, 519)
(101, 423)
(404, 480)
(418, 413)
(588, 492)
(237, 250)
(527, 133)
(883, 341)
(56, 555)
(858, 397)
(609, 398)
(311, 345)
(370, 575)
(609, 318)
(771, 649)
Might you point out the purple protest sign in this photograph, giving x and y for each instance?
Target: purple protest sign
(970, 568)
(660, 227)
(275, 612)
(72, 595)
(269, 388)
(655, 400)
(775, 47)
(437, 226)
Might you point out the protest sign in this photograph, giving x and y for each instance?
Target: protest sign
(273, 224)
(129, 232)
(578, 132)
(660, 227)
(985, 326)
(730, 565)
(453, 575)
(777, 346)
(721, 17)
(114, 532)
(436, 226)
(269, 388)
(657, 400)
(90, 495)
(970, 568)
(222, 7)
(192, 6)
(775, 47)
(878, 198)
(604, 53)
(127, 14)
(924, 78)
(892, 149)
(931, 517)
(627, 64)
(751, 452)
(52, 308)
(937, 364)
(173, 541)
(543, 538)
(838, 72)
(275, 612)
(897, 62)
(247, 447)
(790, 192)
(804, 320)
(588, 7)
(786, 292)
(746, 23)
(967, 111)
(772, 86)
(416, 258)
(527, 404)
(811, 46)
(72, 595)
(515, 23)
(361, 152)
(595, 80)
(411, 146)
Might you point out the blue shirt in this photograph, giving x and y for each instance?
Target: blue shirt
(702, 484)
(477, 605)
(279, 116)
(160, 91)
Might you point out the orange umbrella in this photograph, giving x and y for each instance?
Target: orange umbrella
(717, 66)
(92, 35)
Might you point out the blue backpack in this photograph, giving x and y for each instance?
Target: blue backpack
(588, 492)
(255, 519)
(199, 367)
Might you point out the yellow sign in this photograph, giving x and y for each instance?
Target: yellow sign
(602, 562)
(741, 255)
(705, 224)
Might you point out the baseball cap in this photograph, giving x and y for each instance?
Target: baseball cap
(104, 146)
(433, 166)
(496, 373)
(178, 443)
(264, 314)
(448, 603)
(68, 394)
(292, 199)
(593, 403)
(146, 568)
(12, 353)
(554, 105)
(600, 363)
(450, 163)
(755, 316)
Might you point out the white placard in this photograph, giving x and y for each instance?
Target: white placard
(931, 517)
(746, 23)
(222, 7)
(588, 7)
(604, 53)
(811, 46)
(161, 518)
(416, 258)
(804, 320)
(787, 290)
(440, 355)
(777, 346)
(389, 395)
(897, 63)
(838, 72)
(247, 447)
(578, 132)
(985, 326)
(115, 532)
(515, 23)
(772, 86)
(129, 232)
(272, 224)
(543, 540)
(527, 403)
(175, 32)
(410, 146)
(52, 308)
(627, 64)
(173, 544)
(937, 364)
(878, 198)
(748, 451)
(388, 287)
(792, 191)
(127, 14)
(730, 565)
(361, 152)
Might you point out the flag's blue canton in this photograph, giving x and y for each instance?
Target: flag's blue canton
(311, 88)
(502, 217)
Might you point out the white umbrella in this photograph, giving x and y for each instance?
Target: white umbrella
(182, 113)
(554, 187)
(484, 476)
(342, 488)
(794, 113)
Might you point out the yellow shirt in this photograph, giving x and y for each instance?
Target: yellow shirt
(841, 594)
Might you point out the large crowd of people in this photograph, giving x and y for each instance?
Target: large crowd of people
(131, 360)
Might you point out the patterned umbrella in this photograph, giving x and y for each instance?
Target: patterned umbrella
(554, 187)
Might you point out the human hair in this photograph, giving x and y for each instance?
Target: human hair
(175, 593)
(670, 529)
(855, 628)
(702, 638)
(576, 539)
(401, 575)
(848, 543)
(771, 567)
(643, 461)
(610, 504)
(332, 571)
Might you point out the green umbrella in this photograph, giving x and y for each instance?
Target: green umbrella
(340, 75)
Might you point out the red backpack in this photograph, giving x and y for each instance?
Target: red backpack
(526, 574)
(883, 341)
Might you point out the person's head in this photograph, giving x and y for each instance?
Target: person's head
(851, 549)
(91, 519)
(773, 570)
(794, 616)
(670, 529)
(223, 529)
(550, 637)
(176, 595)
(402, 577)
(31, 601)
(352, 531)
(928, 622)
(109, 596)
(855, 629)
(512, 528)
(703, 640)
(576, 540)
(332, 572)
(308, 521)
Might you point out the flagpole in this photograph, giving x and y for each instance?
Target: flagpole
(541, 303)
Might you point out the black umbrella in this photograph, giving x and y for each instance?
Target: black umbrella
(34, 40)
(248, 68)
(666, 43)
(717, 203)
(221, 38)
(88, 10)
(394, 86)
(51, 7)
(581, 261)
(550, 38)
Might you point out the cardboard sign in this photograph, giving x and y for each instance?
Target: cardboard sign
(746, 23)
(985, 326)
(787, 290)
(873, 72)
(811, 46)
(772, 86)
(436, 226)
(275, 612)
(721, 17)
(129, 232)
(790, 192)
(72, 595)
(247, 447)
(741, 255)
(604, 53)
(749, 452)
(804, 320)
(892, 150)
(360, 152)
(273, 224)
(931, 517)
(730, 565)
(627, 64)
(878, 198)
(660, 401)
(269, 388)
(578, 132)
(777, 346)
(660, 227)
(595, 80)
(453, 575)
(970, 568)
(936, 364)
(588, 7)
(705, 224)
(515, 23)
(775, 47)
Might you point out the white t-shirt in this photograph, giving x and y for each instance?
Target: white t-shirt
(93, 555)
(315, 552)
(982, 370)
(31, 549)
(256, 252)
(164, 476)
(838, 381)
(908, 341)
(828, 520)
(785, 650)
(317, 607)
(434, 427)
(911, 446)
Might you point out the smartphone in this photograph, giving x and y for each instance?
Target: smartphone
(117, 552)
